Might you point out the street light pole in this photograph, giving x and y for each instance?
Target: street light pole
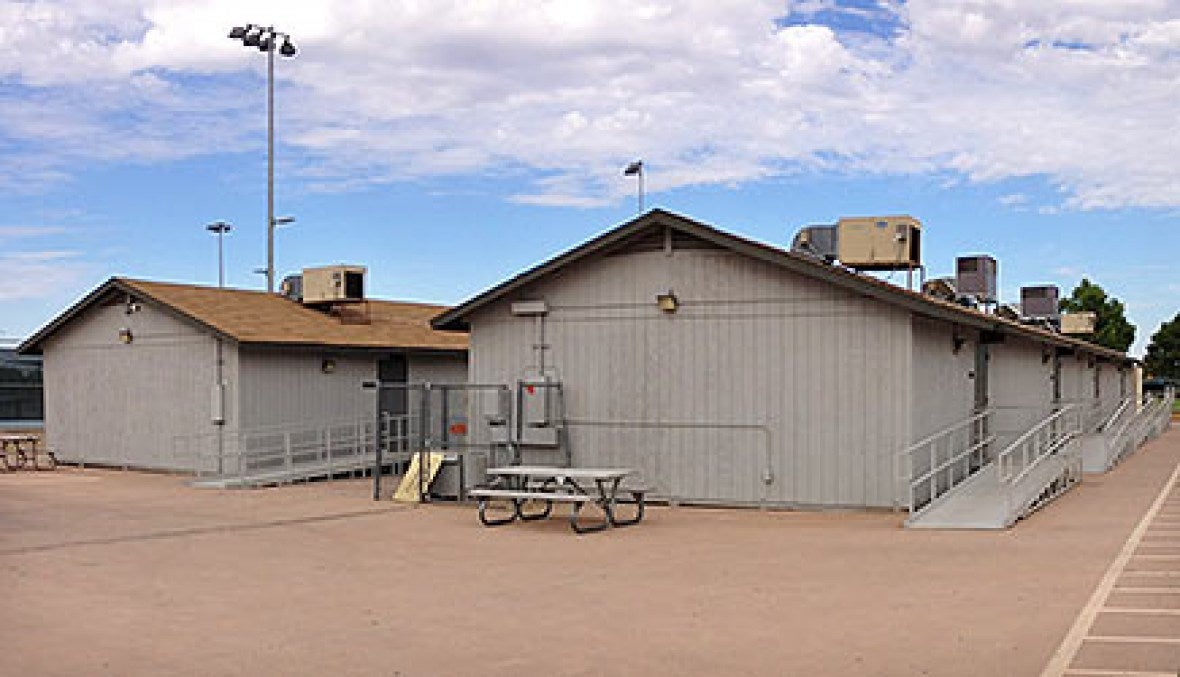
(266, 39)
(220, 228)
(270, 168)
(636, 169)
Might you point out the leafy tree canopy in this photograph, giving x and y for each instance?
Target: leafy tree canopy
(1111, 329)
(1163, 354)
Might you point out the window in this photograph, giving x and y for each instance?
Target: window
(21, 389)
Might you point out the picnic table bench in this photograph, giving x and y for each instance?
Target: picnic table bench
(522, 485)
(19, 450)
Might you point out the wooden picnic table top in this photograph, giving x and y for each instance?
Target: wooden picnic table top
(554, 471)
(19, 437)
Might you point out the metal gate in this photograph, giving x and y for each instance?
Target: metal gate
(470, 424)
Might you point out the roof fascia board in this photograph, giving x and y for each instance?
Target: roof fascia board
(172, 310)
(32, 345)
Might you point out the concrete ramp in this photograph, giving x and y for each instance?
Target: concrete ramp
(986, 502)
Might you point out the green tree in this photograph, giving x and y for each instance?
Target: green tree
(1111, 328)
(1163, 355)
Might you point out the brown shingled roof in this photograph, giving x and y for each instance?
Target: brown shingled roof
(257, 317)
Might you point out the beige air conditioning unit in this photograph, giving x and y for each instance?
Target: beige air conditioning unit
(879, 242)
(1078, 323)
(333, 284)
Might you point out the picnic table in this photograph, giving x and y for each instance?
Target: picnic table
(520, 485)
(19, 449)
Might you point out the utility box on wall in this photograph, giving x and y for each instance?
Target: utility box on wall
(879, 242)
(334, 284)
(539, 414)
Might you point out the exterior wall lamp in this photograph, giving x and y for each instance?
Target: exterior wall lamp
(125, 336)
(668, 302)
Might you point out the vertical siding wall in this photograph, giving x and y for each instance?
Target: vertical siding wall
(441, 368)
(117, 404)
(1020, 386)
(760, 370)
(944, 388)
(288, 386)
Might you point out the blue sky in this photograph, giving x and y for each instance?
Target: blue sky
(448, 145)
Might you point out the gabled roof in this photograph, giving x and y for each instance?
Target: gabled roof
(456, 319)
(254, 317)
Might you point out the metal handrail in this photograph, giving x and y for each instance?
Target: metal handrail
(1038, 443)
(323, 445)
(1118, 412)
(976, 441)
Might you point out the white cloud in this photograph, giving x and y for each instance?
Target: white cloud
(707, 92)
(39, 274)
(13, 232)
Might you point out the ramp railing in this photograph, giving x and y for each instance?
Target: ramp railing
(1123, 409)
(937, 463)
(1152, 419)
(1038, 443)
(278, 454)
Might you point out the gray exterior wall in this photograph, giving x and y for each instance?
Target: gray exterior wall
(437, 368)
(285, 386)
(282, 386)
(1020, 386)
(126, 405)
(118, 404)
(760, 374)
(944, 385)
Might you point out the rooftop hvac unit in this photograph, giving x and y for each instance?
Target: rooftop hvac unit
(816, 241)
(334, 284)
(1040, 302)
(292, 287)
(1078, 323)
(1009, 312)
(976, 276)
(941, 288)
(879, 242)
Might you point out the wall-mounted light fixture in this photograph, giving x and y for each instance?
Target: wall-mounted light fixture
(125, 336)
(328, 365)
(1046, 355)
(668, 302)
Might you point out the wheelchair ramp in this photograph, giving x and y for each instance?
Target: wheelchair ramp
(1037, 467)
(272, 455)
(1103, 451)
(983, 502)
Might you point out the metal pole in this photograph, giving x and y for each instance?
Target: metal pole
(220, 259)
(641, 190)
(270, 166)
(378, 461)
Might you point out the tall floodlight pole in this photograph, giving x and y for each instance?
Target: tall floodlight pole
(220, 228)
(266, 39)
(636, 169)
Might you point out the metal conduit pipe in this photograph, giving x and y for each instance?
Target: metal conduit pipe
(763, 429)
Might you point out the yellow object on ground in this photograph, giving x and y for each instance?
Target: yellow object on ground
(407, 491)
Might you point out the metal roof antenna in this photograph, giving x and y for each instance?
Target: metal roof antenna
(636, 169)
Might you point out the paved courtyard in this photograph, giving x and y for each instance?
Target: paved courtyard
(110, 573)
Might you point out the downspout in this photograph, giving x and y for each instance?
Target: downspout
(219, 401)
